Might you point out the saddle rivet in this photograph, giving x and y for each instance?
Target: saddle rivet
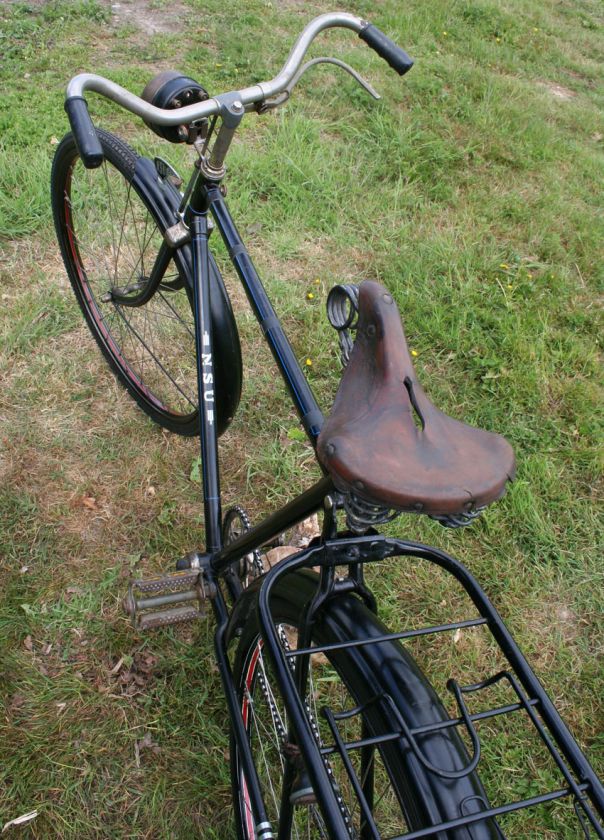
(371, 330)
(387, 298)
(330, 449)
(418, 506)
(358, 485)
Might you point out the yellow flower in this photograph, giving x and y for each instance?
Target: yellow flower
(218, 65)
(308, 363)
(317, 282)
(498, 40)
(414, 353)
(510, 286)
(445, 33)
(503, 265)
(309, 296)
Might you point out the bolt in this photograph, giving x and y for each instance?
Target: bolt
(222, 189)
(371, 330)
(237, 106)
(358, 485)
(387, 298)
(330, 449)
(418, 506)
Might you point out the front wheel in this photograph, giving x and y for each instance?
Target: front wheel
(134, 291)
(403, 794)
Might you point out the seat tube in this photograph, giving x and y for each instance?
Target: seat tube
(205, 382)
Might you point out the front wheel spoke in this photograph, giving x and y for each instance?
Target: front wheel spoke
(121, 232)
(155, 359)
(111, 225)
(78, 244)
(170, 316)
(162, 295)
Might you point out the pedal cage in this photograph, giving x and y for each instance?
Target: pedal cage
(182, 593)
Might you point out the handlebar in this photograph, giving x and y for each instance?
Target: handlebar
(89, 146)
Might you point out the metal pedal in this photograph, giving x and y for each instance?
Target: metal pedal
(183, 593)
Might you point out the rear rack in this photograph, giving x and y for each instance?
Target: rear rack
(579, 784)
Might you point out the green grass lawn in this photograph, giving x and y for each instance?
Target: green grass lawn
(473, 191)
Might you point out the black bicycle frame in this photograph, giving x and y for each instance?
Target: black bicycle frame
(220, 562)
(208, 198)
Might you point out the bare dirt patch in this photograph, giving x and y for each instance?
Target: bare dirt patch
(152, 18)
(558, 91)
(552, 623)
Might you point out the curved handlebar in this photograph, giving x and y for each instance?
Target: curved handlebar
(83, 129)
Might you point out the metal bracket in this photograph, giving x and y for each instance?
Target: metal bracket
(180, 234)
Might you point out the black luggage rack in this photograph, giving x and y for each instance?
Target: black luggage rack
(580, 784)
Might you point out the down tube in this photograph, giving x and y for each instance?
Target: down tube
(300, 391)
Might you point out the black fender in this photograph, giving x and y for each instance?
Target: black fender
(387, 667)
(228, 369)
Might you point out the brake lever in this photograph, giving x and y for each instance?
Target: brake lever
(329, 60)
(285, 94)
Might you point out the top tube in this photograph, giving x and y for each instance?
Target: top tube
(212, 107)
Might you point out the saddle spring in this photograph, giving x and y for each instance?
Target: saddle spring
(343, 314)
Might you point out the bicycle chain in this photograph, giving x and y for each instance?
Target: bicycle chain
(258, 567)
(317, 736)
(282, 734)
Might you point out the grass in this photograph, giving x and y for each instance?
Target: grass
(473, 191)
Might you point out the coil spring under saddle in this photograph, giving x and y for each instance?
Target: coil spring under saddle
(343, 314)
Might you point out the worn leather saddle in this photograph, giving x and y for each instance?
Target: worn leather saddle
(387, 443)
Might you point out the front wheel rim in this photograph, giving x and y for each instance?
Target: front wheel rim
(152, 346)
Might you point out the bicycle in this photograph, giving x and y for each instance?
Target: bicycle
(335, 731)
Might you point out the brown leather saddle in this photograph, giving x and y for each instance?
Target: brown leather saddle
(388, 444)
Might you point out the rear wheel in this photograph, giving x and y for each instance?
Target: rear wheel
(138, 310)
(404, 794)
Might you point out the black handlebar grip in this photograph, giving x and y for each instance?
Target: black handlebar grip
(394, 55)
(86, 138)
